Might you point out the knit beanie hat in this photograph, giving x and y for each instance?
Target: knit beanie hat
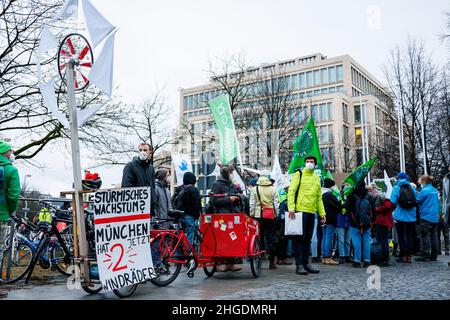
(161, 174)
(4, 147)
(402, 175)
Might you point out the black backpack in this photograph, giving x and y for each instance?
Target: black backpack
(364, 212)
(179, 197)
(406, 198)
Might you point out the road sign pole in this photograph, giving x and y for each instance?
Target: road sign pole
(78, 210)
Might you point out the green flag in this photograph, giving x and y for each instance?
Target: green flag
(358, 175)
(334, 189)
(306, 144)
(220, 108)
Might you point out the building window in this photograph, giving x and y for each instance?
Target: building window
(358, 136)
(332, 89)
(325, 112)
(287, 83)
(314, 112)
(324, 73)
(346, 158)
(317, 92)
(324, 91)
(316, 77)
(327, 157)
(359, 157)
(340, 73)
(302, 80)
(345, 141)
(340, 89)
(326, 134)
(332, 73)
(295, 82)
(309, 79)
(357, 114)
(345, 112)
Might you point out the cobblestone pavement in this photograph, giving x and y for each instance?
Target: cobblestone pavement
(419, 280)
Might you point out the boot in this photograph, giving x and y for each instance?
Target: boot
(341, 260)
(300, 270)
(272, 266)
(308, 268)
(348, 260)
(329, 261)
(394, 250)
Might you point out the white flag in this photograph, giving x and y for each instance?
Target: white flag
(388, 184)
(101, 74)
(48, 93)
(69, 8)
(182, 163)
(238, 181)
(276, 173)
(85, 114)
(47, 41)
(99, 28)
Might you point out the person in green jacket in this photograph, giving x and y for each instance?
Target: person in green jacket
(9, 192)
(307, 200)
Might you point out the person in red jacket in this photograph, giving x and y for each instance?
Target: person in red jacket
(384, 221)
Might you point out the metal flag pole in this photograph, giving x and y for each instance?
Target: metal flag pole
(78, 210)
(424, 149)
(366, 131)
(363, 136)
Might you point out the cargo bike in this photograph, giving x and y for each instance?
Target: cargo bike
(226, 238)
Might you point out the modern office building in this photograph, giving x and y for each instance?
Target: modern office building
(338, 92)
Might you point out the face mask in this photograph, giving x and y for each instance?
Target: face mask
(310, 166)
(143, 156)
(12, 157)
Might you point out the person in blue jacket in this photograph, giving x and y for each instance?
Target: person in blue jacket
(428, 200)
(404, 217)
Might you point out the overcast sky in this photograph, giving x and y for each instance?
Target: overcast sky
(169, 43)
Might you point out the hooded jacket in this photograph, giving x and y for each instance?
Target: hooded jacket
(446, 197)
(224, 204)
(309, 197)
(402, 214)
(268, 194)
(191, 203)
(9, 188)
(428, 199)
(332, 205)
(139, 173)
(162, 199)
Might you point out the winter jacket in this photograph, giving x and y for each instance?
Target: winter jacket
(402, 214)
(309, 197)
(428, 199)
(9, 188)
(139, 173)
(343, 221)
(162, 199)
(446, 197)
(332, 205)
(384, 214)
(352, 211)
(268, 194)
(192, 205)
(224, 204)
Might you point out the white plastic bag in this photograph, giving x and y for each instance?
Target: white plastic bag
(294, 227)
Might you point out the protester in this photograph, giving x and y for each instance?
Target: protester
(283, 241)
(443, 228)
(9, 193)
(316, 241)
(384, 222)
(264, 197)
(163, 199)
(361, 214)
(140, 173)
(305, 195)
(333, 208)
(343, 234)
(428, 200)
(403, 197)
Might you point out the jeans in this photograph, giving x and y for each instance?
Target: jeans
(405, 232)
(327, 241)
(189, 227)
(429, 239)
(343, 241)
(4, 226)
(268, 229)
(302, 244)
(361, 244)
(316, 240)
(382, 238)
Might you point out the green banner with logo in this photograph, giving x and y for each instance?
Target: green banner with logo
(229, 147)
(358, 175)
(306, 144)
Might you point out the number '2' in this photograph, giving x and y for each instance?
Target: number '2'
(116, 266)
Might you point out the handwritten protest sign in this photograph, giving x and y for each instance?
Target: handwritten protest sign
(122, 236)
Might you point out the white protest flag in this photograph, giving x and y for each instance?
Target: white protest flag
(182, 163)
(276, 173)
(238, 181)
(102, 71)
(48, 93)
(85, 114)
(47, 41)
(99, 28)
(69, 8)
(216, 172)
(388, 184)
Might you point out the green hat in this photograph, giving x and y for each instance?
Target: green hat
(4, 147)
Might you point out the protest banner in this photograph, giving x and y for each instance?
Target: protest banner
(122, 236)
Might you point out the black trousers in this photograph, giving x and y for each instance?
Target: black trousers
(405, 231)
(429, 239)
(302, 244)
(282, 241)
(269, 237)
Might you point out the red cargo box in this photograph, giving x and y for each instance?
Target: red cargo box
(227, 234)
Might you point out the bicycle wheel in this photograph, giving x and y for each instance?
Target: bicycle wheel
(125, 291)
(166, 272)
(197, 240)
(209, 271)
(59, 260)
(255, 262)
(92, 288)
(20, 264)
